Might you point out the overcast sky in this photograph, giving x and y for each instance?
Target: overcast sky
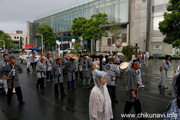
(15, 13)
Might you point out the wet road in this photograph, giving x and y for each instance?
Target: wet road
(43, 105)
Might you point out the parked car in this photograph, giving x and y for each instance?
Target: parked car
(10, 50)
(15, 51)
(23, 57)
(2, 51)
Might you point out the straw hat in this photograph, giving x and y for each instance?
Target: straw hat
(73, 56)
(58, 58)
(124, 66)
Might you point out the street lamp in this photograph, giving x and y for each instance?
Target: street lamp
(4, 44)
(41, 40)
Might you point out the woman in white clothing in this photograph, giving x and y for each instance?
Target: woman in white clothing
(99, 101)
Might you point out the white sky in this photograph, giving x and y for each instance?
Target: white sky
(15, 13)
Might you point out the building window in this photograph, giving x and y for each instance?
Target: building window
(157, 47)
(17, 37)
(143, 1)
(113, 40)
(158, 8)
(156, 21)
(124, 37)
(14, 37)
(109, 42)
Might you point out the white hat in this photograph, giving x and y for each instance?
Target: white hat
(124, 66)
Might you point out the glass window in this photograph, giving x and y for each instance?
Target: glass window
(109, 42)
(156, 21)
(159, 2)
(124, 37)
(158, 8)
(123, 11)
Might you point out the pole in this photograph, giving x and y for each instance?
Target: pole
(4, 44)
(111, 46)
(41, 41)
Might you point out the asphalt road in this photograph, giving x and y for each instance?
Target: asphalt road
(44, 105)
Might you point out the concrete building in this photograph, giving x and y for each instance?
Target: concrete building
(139, 20)
(19, 39)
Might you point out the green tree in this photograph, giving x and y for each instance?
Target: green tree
(49, 38)
(170, 26)
(78, 27)
(6, 38)
(115, 29)
(94, 27)
(15, 47)
(76, 46)
(127, 51)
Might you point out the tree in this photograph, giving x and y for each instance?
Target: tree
(6, 38)
(49, 38)
(78, 27)
(127, 51)
(115, 29)
(91, 28)
(170, 26)
(76, 46)
(94, 27)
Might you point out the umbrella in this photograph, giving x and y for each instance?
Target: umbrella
(135, 47)
(34, 48)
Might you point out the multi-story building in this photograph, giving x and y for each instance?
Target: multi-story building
(139, 22)
(19, 39)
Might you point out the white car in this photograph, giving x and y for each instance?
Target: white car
(23, 57)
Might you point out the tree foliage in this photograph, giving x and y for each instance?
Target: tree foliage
(49, 38)
(170, 26)
(90, 28)
(76, 46)
(115, 29)
(78, 26)
(94, 27)
(127, 51)
(6, 38)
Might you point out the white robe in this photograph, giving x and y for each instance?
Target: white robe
(99, 101)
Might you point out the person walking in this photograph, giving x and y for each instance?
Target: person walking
(132, 96)
(12, 73)
(4, 63)
(112, 71)
(99, 101)
(165, 64)
(87, 66)
(40, 68)
(70, 71)
(49, 64)
(57, 72)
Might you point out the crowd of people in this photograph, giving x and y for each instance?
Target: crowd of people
(71, 67)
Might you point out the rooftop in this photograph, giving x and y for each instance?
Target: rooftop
(63, 8)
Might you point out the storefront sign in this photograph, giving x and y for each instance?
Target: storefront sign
(29, 46)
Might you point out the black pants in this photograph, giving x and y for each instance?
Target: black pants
(81, 75)
(61, 87)
(112, 92)
(40, 82)
(33, 65)
(49, 75)
(76, 74)
(128, 106)
(18, 93)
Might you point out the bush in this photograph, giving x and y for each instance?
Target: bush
(127, 51)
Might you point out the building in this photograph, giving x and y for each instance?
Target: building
(139, 20)
(19, 39)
